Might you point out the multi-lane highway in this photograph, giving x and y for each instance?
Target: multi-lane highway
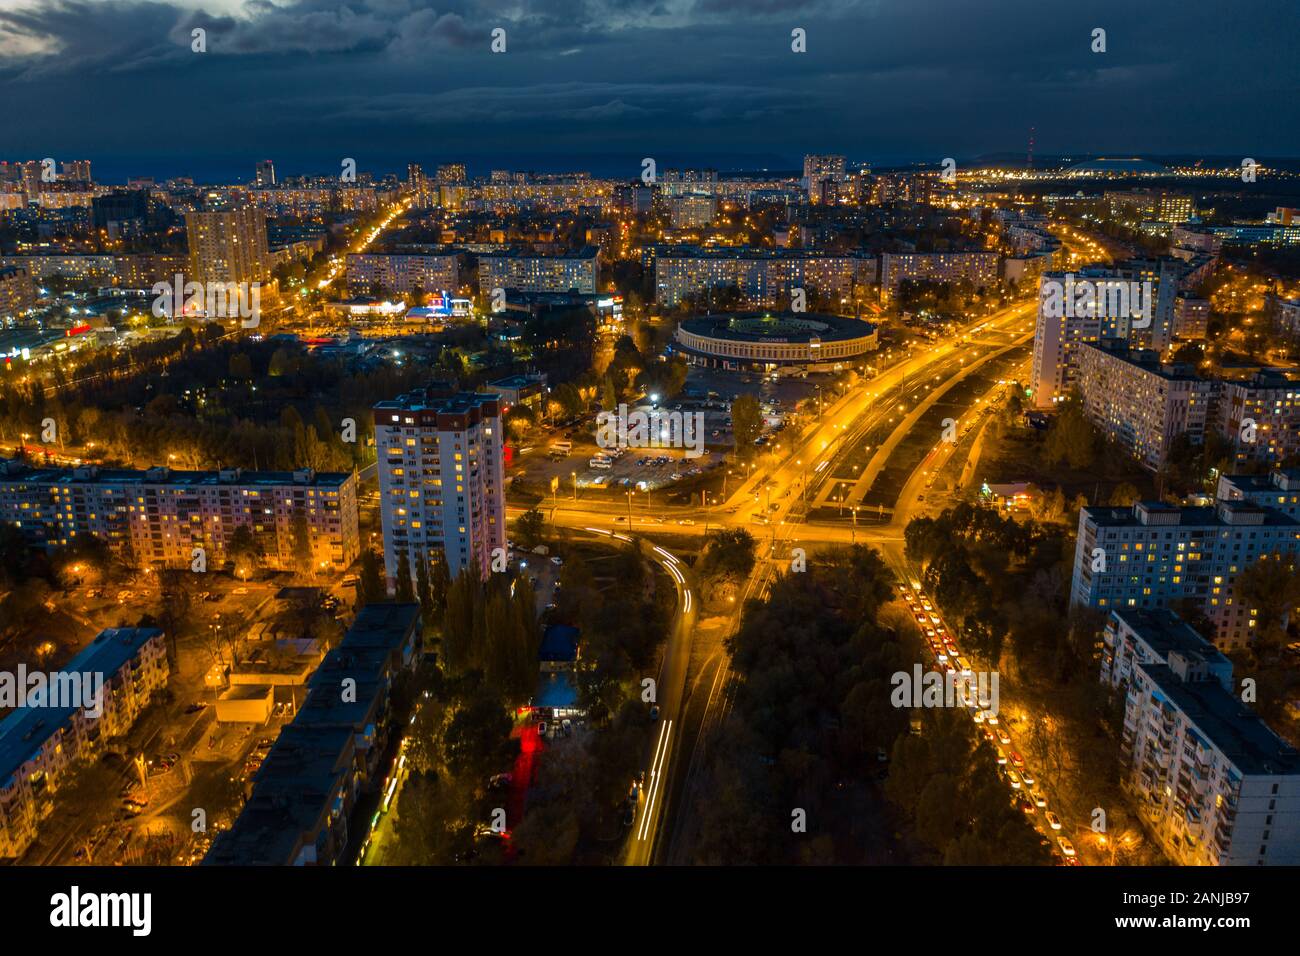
(774, 503)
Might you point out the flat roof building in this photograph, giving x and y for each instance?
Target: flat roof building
(159, 516)
(1154, 554)
(121, 669)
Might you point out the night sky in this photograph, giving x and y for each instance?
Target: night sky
(602, 84)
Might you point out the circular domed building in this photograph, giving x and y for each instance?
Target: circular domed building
(764, 341)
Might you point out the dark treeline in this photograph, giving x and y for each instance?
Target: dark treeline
(794, 775)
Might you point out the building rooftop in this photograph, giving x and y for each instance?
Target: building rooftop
(586, 252)
(383, 626)
(1238, 732)
(1146, 359)
(559, 644)
(1282, 479)
(161, 475)
(688, 251)
(778, 327)
(295, 790)
(1165, 631)
(1225, 514)
(25, 730)
(437, 399)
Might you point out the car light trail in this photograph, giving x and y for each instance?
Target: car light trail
(656, 777)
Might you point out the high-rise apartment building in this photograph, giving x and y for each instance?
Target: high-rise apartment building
(451, 173)
(1214, 784)
(17, 292)
(691, 211)
(818, 170)
(1140, 403)
(1191, 318)
(265, 173)
(76, 171)
(1153, 555)
(1094, 303)
(1260, 418)
(228, 245)
(440, 479)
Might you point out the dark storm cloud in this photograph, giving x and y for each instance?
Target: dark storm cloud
(881, 77)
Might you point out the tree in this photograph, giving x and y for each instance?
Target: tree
(439, 582)
(1072, 438)
(405, 590)
(371, 588)
(727, 559)
(1270, 588)
(529, 527)
(1124, 495)
(458, 624)
(302, 553)
(245, 551)
(423, 592)
(746, 423)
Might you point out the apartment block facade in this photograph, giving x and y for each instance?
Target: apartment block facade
(40, 745)
(1139, 402)
(765, 277)
(1153, 555)
(440, 479)
(402, 272)
(1214, 784)
(157, 517)
(536, 273)
(978, 268)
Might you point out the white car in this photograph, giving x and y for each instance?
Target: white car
(1066, 846)
(1014, 779)
(1028, 778)
(1053, 820)
(1040, 801)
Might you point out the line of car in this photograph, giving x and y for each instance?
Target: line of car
(1023, 784)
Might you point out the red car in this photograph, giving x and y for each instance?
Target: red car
(1017, 760)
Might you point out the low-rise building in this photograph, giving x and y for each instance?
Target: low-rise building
(305, 792)
(41, 745)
